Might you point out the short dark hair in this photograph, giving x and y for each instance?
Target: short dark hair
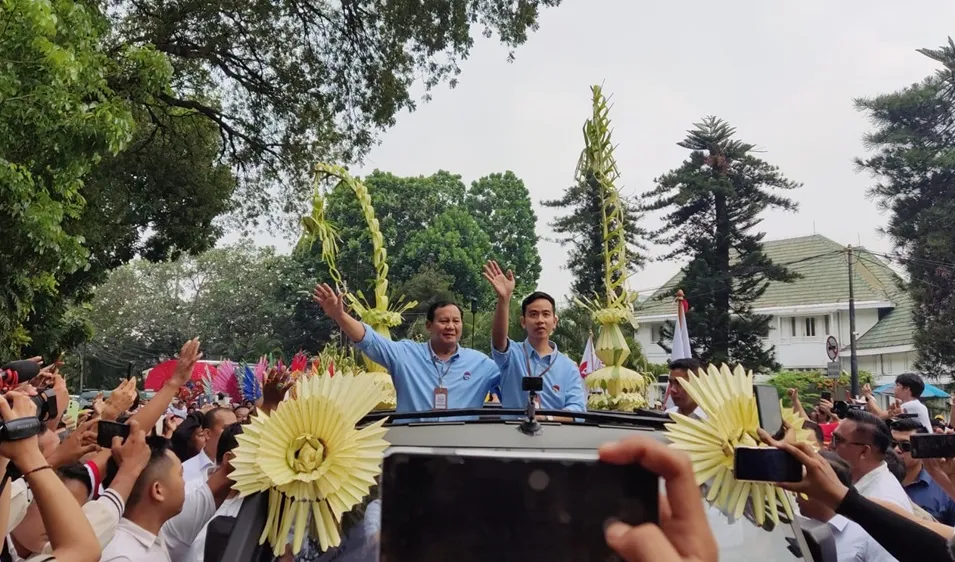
(876, 429)
(441, 304)
(153, 471)
(76, 472)
(228, 441)
(908, 424)
(839, 466)
(209, 418)
(912, 382)
(536, 296)
(183, 434)
(689, 364)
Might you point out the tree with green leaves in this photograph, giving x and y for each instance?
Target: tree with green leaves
(713, 202)
(501, 205)
(582, 230)
(286, 83)
(58, 118)
(436, 226)
(914, 166)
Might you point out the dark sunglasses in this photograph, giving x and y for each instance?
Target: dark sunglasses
(903, 446)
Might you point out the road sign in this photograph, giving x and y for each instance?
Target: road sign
(832, 348)
(834, 369)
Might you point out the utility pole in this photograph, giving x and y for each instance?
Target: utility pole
(853, 357)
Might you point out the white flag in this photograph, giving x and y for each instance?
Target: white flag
(681, 341)
(590, 362)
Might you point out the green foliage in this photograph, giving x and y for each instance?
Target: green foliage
(58, 118)
(714, 201)
(601, 227)
(240, 301)
(914, 166)
(810, 384)
(287, 83)
(436, 226)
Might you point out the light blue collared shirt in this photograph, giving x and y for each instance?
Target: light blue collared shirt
(416, 372)
(563, 385)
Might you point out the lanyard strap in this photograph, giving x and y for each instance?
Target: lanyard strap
(527, 362)
(438, 371)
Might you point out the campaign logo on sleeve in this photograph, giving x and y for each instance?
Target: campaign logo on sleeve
(467, 375)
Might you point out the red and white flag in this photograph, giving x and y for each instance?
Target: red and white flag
(589, 362)
(681, 340)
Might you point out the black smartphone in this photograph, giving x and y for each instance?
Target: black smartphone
(933, 445)
(826, 395)
(765, 464)
(507, 506)
(767, 404)
(106, 430)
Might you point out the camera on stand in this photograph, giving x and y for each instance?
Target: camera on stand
(531, 385)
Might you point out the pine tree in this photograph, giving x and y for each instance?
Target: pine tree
(714, 201)
(914, 163)
(582, 231)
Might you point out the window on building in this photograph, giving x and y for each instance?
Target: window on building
(828, 332)
(792, 327)
(810, 327)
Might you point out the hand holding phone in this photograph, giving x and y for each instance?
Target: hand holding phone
(106, 430)
(765, 464)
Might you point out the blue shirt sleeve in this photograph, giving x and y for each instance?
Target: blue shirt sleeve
(379, 349)
(502, 358)
(576, 400)
(493, 373)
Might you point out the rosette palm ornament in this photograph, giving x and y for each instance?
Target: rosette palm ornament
(597, 169)
(385, 313)
(314, 463)
(732, 420)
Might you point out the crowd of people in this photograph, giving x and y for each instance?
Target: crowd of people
(151, 496)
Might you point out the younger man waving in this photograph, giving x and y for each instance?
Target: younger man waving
(536, 356)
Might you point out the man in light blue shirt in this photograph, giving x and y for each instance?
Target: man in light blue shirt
(435, 375)
(536, 356)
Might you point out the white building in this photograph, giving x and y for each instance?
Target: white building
(813, 307)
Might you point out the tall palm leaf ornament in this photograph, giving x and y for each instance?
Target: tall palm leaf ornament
(384, 313)
(597, 168)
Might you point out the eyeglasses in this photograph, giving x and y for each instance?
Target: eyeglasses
(840, 440)
(903, 446)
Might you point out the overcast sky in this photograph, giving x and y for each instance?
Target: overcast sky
(783, 73)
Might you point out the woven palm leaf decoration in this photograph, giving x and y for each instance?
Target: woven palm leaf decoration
(597, 169)
(314, 463)
(732, 421)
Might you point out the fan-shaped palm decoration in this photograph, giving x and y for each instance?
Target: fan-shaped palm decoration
(226, 381)
(732, 421)
(797, 432)
(312, 460)
(385, 313)
(597, 169)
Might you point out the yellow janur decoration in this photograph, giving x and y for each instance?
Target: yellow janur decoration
(386, 312)
(597, 169)
(732, 421)
(307, 453)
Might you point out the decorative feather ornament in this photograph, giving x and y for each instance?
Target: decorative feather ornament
(732, 421)
(315, 465)
(225, 381)
(250, 385)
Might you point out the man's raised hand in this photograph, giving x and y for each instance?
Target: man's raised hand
(503, 283)
(188, 357)
(332, 302)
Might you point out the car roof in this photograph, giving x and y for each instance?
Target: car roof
(554, 436)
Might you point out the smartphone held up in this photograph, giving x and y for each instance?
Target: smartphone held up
(478, 505)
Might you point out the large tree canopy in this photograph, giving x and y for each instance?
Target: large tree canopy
(438, 225)
(289, 82)
(714, 202)
(914, 163)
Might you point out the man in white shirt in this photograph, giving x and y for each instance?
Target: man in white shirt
(908, 390)
(853, 544)
(683, 404)
(862, 440)
(213, 422)
(161, 521)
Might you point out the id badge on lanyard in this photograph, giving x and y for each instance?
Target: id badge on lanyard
(530, 372)
(440, 391)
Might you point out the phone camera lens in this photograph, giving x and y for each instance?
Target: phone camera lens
(538, 480)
